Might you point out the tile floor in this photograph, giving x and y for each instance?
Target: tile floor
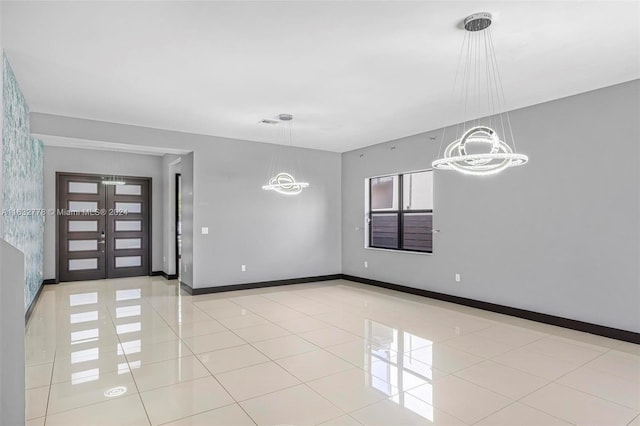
(138, 351)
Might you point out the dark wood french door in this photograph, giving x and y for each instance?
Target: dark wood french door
(103, 230)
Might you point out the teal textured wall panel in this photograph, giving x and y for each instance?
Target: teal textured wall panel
(22, 183)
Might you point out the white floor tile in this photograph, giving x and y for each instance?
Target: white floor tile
(464, 400)
(257, 333)
(297, 405)
(121, 411)
(256, 380)
(565, 350)
(406, 410)
(537, 364)
(285, 346)
(229, 415)
(213, 342)
(521, 415)
(38, 375)
(87, 363)
(328, 336)
(232, 358)
(36, 400)
(577, 407)
(90, 390)
(170, 372)
(300, 325)
(510, 335)
(313, 365)
(211, 326)
(501, 379)
(185, 399)
(604, 385)
(365, 355)
(353, 389)
(242, 321)
(480, 346)
(619, 363)
(345, 420)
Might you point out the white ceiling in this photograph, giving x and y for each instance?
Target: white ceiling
(353, 73)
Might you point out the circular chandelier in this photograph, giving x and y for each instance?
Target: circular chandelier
(481, 92)
(283, 182)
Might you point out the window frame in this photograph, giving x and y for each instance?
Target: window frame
(399, 212)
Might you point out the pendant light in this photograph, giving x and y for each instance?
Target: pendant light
(113, 178)
(481, 95)
(283, 166)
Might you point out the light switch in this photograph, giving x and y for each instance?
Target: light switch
(205, 230)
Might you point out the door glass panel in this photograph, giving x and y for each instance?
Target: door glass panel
(83, 188)
(128, 225)
(83, 226)
(127, 261)
(130, 207)
(129, 190)
(128, 243)
(77, 206)
(82, 264)
(83, 245)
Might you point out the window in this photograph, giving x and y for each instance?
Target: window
(401, 212)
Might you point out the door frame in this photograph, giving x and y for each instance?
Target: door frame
(178, 190)
(149, 235)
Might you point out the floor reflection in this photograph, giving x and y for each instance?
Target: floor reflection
(394, 363)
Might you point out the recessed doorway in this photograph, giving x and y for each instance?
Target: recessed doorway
(104, 231)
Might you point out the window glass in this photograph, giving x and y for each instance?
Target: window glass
(384, 193)
(384, 230)
(401, 212)
(416, 232)
(417, 191)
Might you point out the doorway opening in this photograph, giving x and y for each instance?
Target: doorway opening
(103, 231)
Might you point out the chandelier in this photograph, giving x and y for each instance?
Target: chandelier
(481, 94)
(283, 166)
(114, 178)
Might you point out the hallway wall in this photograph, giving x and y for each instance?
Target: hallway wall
(58, 159)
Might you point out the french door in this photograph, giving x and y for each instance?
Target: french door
(103, 230)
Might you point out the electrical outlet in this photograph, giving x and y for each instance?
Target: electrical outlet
(366, 264)
(205, 230)
(457, 278)
(243, 268)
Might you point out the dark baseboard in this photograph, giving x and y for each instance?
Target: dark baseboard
(50, 281)
(601, 330)
(32, 306)
(262, 284)
(165, 275)
(186, 287)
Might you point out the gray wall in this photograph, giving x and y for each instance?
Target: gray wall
(12, 350)
(559, 235)
(276, 237)
(57, 159)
